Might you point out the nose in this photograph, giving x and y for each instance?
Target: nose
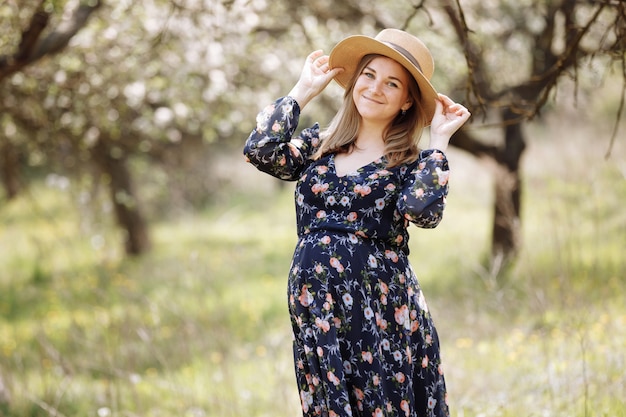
(375, 87)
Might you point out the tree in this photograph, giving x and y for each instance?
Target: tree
(550, 40)
(33, 46)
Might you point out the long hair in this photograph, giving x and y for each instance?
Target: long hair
(400, 138)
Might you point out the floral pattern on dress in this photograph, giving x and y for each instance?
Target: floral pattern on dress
(364, 340)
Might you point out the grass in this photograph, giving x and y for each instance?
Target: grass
(199, 327)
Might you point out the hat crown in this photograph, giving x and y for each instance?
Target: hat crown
(410, 47)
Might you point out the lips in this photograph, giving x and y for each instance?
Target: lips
(371, 99)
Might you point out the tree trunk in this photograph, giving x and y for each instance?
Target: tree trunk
(506, 235)
(10, 169)
(126, 205)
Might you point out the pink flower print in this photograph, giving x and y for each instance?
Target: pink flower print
(320, 351)
(319, 187)
(368, 313)
(307, 400)
(399, 239)
(352, 238)
(305, 297)
(371, 261)
(320, 214)
(442, 176)
(397, 355)
(384, 288)
(400, 377)
(383, 299)
(332, 378)
(319, 268)
(325, 240)
(393, 256)
(359, 394)
(404, 406)
(419, 193)
(276, 127)
(377, 413)
(390, 187)
(352, 216)
(402, 316)
(323, 325)
(331, 201)
(379, 203)
(335, 263)
(322, 169)
(429, 339)
(437, 156)
(367, 357)
(362, 190)
(425, 362)
(381, 322)
(283, 161)
(344, 201)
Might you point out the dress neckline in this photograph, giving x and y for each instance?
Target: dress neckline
(357, 171)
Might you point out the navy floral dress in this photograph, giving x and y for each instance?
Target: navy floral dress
(364, 341)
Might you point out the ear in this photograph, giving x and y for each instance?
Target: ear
(407, 105)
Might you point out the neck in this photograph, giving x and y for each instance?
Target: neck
(370, 139)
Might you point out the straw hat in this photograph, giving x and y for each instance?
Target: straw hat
(401, 46)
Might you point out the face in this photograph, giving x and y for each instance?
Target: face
(381, 91)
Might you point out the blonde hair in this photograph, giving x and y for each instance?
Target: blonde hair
(400, 138)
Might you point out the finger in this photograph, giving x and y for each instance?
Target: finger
(445, 100)
(314, 55)
(439, 106)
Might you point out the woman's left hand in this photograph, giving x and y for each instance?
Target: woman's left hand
(449, 117)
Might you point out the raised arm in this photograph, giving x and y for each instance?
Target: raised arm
(271, 146)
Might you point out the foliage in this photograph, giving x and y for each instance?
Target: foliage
(199, 327)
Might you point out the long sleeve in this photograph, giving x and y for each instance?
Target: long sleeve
(423, 196)
(271, 147)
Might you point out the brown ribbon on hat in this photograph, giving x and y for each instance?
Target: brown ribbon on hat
(406, 54)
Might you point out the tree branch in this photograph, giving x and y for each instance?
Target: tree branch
(32, 48)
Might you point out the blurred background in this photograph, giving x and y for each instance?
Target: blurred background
(143, 263)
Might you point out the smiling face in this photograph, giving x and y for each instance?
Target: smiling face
(381, 91)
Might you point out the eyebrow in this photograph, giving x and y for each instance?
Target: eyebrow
(391, 78)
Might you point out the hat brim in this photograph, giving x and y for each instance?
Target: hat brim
(348, 53)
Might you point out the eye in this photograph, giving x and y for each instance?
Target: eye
(368, 74)
(392, 84)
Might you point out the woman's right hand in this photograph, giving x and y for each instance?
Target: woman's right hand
(315, 76)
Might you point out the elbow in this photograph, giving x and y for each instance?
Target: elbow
(426, 216)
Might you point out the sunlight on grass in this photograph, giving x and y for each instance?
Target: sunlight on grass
(200, 328)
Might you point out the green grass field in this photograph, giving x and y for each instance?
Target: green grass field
(199, 328)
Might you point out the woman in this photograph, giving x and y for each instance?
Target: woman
(364, 340)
